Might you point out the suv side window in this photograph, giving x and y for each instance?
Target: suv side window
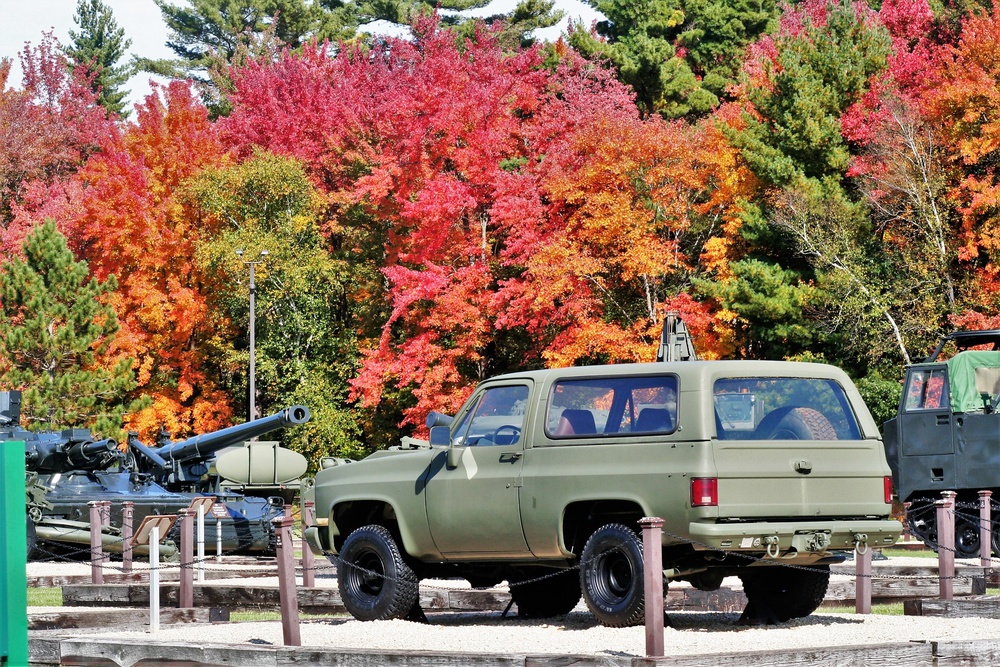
(612, 406)
(496, 418)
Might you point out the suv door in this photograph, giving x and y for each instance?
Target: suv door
(473, 509)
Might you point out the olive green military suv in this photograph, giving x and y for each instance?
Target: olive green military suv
(766, 470)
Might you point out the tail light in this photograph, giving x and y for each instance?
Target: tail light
(887, 485)
(704, 492)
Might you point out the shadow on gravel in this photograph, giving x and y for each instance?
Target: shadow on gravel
(682, 621)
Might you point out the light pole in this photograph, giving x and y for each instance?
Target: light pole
(253, 361)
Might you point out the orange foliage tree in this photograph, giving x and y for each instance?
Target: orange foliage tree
(121, 214)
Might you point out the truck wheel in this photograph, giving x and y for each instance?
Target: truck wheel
(375, 583)
(554, 595)
(966, 538)
(795, 424)
(776, 594)
(611, 576)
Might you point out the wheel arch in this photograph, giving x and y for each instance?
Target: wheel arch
(348, 516)
(582, 517)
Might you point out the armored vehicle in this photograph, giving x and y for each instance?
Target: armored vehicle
(946, 436)
(67, 469)
(542, 477)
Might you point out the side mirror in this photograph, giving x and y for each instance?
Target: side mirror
(440, 435)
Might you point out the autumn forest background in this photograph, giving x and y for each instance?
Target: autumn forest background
(808, 181)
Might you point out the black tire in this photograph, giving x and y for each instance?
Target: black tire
(966, 538)
(611, 576)
(778, 594)
(554, 595)
(795, 424)
(375, 582)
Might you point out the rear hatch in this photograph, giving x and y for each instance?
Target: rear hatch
(791, 447)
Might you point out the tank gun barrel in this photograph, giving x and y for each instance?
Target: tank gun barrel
(202, 447)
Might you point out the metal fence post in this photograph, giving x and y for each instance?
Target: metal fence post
(128, 514)
(946, 544)
(287, 593)
(308, 560)
(13, 555)
(96, 546)
(186, 598)
(652, 568)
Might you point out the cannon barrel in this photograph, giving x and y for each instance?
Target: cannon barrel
(204, 446)
(93, 455)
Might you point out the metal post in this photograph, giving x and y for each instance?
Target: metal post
(287, 592)
(218, 540)
(253, 361)
(96, 555)
(946, 544)
(128, 515)
(308, 560)
(13, 577)
(154, 579)
(652, 568)
(862, 578)
(200, 565)
(186, 598)
(253, 333)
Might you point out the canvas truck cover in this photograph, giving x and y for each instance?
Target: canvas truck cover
(973, 373)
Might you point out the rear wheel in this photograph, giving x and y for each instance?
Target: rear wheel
(554, 595)
(611, 576)
(966, 538)
(776, 594)
(375, 582)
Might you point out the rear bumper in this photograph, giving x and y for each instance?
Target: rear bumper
(801, 536)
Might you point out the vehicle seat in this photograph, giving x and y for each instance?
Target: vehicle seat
(653, 420)
(576, 422)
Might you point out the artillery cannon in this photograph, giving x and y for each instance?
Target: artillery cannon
(65, 470)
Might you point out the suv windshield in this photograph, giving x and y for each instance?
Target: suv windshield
(777, 408)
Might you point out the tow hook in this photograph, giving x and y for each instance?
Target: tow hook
(771, 541)
(860, 544)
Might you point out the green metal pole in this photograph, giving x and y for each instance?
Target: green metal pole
(13, 556)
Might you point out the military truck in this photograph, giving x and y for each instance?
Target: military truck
(946, 436)
(767, 470)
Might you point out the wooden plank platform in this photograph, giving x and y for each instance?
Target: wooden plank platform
(48, 650)
(982, 606)
(63, 619)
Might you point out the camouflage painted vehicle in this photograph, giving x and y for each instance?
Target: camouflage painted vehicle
(946, 437)
(542, 477)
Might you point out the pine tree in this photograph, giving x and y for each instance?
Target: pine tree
(98, 47)
(56, 334)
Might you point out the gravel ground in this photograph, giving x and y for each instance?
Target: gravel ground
(576, 633)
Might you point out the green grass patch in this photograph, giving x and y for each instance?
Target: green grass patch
(45, 597)
(272, 616)
(909, 553)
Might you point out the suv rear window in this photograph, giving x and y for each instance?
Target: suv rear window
(779, 408)
(612, 406)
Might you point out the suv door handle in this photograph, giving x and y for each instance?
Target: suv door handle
(510, 457)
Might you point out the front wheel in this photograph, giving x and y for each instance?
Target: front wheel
(611, 576)
(375, 582)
